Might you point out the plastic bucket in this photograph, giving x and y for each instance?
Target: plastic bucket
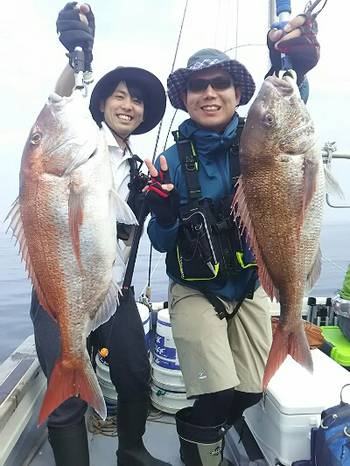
(168, 379)
(168, 392)
(165, 354)
(108, 389)
(168, 401)
(146, 322)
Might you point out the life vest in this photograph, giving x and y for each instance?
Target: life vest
(209, 241)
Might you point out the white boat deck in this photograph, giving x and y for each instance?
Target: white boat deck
(22, 443)
(22, 385)
(160, 439)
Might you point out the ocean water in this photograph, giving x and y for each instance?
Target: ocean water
(15, 288)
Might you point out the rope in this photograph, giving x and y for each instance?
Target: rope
(96, 425)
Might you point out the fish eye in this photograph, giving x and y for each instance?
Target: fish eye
(36, 138)
(269, 120)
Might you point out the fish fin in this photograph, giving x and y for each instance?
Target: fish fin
(68, 380)
(16, 226)
(123, 212)
(332, 185)
(75, 218)
(310, 179)
(107, 308)
(315, 271)
(293, 343)
(119, 255)
(241, 214)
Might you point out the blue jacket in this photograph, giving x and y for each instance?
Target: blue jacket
(214, 176)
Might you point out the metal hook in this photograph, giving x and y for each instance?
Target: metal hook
(310, 6)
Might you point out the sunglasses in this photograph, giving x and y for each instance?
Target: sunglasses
(219, 83)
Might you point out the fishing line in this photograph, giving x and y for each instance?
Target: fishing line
(170, 126)
(310, 6)
(334, 264)
(236, 41)
(172, 69)
(160, 128)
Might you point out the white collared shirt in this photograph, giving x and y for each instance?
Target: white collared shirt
(121, 177)
(120, 163)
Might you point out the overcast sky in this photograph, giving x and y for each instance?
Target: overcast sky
(144, 33)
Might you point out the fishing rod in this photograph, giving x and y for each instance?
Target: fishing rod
(82, 76)
(283, 11)
(148, 288)
(78, 63)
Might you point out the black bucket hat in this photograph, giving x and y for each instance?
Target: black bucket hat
(152, 90)
(203, 60)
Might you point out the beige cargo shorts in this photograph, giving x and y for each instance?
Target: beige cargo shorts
(216, 354)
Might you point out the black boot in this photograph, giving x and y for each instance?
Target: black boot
(70, 445)
(200, 446)
(131, 422)
(241, 401)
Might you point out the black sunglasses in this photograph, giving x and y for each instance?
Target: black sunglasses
(219, 83)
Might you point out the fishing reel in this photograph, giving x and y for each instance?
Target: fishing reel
(138, 179)
(138, 182)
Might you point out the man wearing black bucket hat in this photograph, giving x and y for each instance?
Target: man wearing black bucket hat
(125, 101)
(219, 314)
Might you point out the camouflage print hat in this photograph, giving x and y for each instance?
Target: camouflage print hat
(203, 60)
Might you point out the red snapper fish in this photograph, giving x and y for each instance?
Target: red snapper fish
(280, 200)
(65, 223)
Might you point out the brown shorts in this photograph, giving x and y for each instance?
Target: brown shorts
(219, 354)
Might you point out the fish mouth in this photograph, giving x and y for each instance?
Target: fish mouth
(285, 87)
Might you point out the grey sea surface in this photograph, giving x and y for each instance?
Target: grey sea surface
(15, 288)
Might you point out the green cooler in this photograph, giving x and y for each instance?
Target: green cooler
(336, 346)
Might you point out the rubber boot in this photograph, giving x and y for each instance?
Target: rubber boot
(70, 445)
(200, 446)
(131, 422)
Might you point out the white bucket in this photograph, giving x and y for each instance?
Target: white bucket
(165, 354)
(168, 379)
(146, 321)
(102, 372)
(168, 392)
(167, 401)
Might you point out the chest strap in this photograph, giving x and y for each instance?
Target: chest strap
(190, 165)
(219, 306)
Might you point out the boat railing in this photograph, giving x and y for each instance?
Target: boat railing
(329, 153)
(22, 385)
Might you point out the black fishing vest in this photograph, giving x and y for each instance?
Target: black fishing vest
(209, 242)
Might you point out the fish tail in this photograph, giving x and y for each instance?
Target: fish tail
(293, 343)
(69, 380)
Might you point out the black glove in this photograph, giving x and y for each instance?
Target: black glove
(303, 51)
(73, 32)
(164, 204)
